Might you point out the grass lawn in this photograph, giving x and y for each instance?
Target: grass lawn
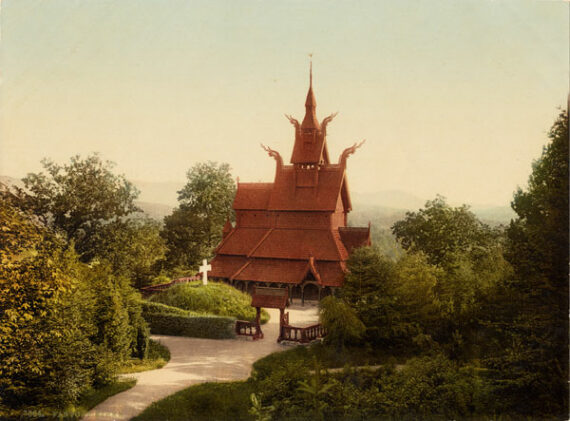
(204, 402)
(89, 400)
(95, 396)
(158, 356)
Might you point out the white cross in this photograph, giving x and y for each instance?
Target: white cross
(204, 269)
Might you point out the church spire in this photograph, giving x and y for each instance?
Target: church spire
(310, 121)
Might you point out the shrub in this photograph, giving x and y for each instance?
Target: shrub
(433, 386)
(340, 321)
(213, 327)
(215, 298)
(149, 307)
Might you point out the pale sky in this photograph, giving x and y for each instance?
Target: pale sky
(452, 97)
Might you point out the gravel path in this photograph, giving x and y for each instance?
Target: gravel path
(196, 361)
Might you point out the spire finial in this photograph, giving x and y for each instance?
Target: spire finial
(310, 70)
(310, 121)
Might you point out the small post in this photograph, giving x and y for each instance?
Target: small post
(259, 333)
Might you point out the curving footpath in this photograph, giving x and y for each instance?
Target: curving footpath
(193, 361)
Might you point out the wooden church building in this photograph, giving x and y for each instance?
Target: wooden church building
(292, 233)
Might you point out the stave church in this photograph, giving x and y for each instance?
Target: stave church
(293, 233)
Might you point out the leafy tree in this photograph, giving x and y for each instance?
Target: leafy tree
(368, 289)
(186, 240)
(469, 261)
(532, 373)
(79, 198)
(134, 249)
(64, 326)
(442, 232)
(45, 310)
(418, 318)
(340, 321)
(195, 228)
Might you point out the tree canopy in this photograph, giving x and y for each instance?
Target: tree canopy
(195, 228)
(442, 232)
(79, 198)
(534, 318)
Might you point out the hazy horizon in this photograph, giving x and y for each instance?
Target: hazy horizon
(452, 97)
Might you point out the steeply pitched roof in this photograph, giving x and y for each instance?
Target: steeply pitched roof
(252, 196)
(286, 195)
(310, 147)
(299, 244)
(354, 237)
(242, 241)
(225, 266)
(278, 270)
(273, 270)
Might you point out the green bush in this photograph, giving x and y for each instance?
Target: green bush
(215, 298)
(340, 321)
(149, 307)
(213, 327)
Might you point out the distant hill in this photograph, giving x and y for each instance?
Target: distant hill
(395, 199)
(495, 215)
(11, 181)
(159, 192)
(155, 210)
(386, 207)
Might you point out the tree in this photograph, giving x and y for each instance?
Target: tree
(184, 233)
(195, 228)
(368, 289)
(442, 232)
(134, 249)
(340, 322)
(64, 325)
(79, 198)
(45, 316)
(534, 368)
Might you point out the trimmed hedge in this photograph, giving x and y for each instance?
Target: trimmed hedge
(150, 307)
(212, 327)
(215, 298)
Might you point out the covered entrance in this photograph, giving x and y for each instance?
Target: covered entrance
(277, 298)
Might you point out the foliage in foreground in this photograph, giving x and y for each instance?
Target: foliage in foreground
(204, 402)
(65, 326)
(340, 322)
(285, 386)
(215, 298)
(532, 372)
(158, 356)
(88, 400)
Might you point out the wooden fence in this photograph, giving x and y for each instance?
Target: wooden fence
(301, 334)
(245, 328)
